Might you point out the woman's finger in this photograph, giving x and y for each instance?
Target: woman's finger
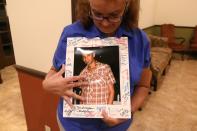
(74, 78)
(67, 99)
(76, 84)
(70, 93)
(109, 120)
(78, 97)
(104, 114)
(62, 70)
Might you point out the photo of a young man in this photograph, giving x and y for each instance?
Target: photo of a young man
(99, 74)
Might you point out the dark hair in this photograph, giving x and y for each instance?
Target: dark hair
(130, 18)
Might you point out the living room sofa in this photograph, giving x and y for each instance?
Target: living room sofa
(161, 56)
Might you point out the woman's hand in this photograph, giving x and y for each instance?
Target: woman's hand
(111, 121)
(57, 84)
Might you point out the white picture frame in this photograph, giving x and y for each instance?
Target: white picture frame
(121, 107)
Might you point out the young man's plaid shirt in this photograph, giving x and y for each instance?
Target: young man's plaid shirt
(97, 91)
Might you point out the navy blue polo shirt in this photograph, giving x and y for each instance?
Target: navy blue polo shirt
(139, 57)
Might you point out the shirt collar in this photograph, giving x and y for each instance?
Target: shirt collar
(121, 32)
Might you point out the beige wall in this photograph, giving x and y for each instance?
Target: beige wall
(147, 13)
(36, 26)
(178, 12)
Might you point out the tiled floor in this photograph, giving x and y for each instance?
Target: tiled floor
(172, 108)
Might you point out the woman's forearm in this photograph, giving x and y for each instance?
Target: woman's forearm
(45, 82)
(138, 98)
(141, 90)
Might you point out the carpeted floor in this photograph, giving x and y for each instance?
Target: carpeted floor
(172, 108)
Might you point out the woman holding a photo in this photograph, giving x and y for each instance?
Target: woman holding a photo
(102, 18)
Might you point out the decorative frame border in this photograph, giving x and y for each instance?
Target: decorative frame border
(94, 111)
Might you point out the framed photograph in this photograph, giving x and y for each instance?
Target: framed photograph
(104, 64)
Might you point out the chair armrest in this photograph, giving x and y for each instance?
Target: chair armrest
(181, 39)
(157, 41)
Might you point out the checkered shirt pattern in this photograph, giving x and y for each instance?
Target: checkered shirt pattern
(97, 91)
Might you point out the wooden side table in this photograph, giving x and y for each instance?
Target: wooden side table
(191, 51)
(1, 81)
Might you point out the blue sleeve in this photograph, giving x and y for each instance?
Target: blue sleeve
(147, 58)
(139, 56)
(60, 53)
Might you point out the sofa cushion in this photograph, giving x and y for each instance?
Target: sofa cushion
(157, 41)
(161, 49)
(160, 57)
(159, 61)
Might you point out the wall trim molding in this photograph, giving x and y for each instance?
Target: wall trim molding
(148, 27)
(191, 27)
(178, 26)
(30, 71)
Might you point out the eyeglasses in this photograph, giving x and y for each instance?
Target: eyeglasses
(111, 18)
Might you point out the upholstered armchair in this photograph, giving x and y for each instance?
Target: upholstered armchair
(0, 78)
(161, 56)
(193, 42)
(168, 30)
